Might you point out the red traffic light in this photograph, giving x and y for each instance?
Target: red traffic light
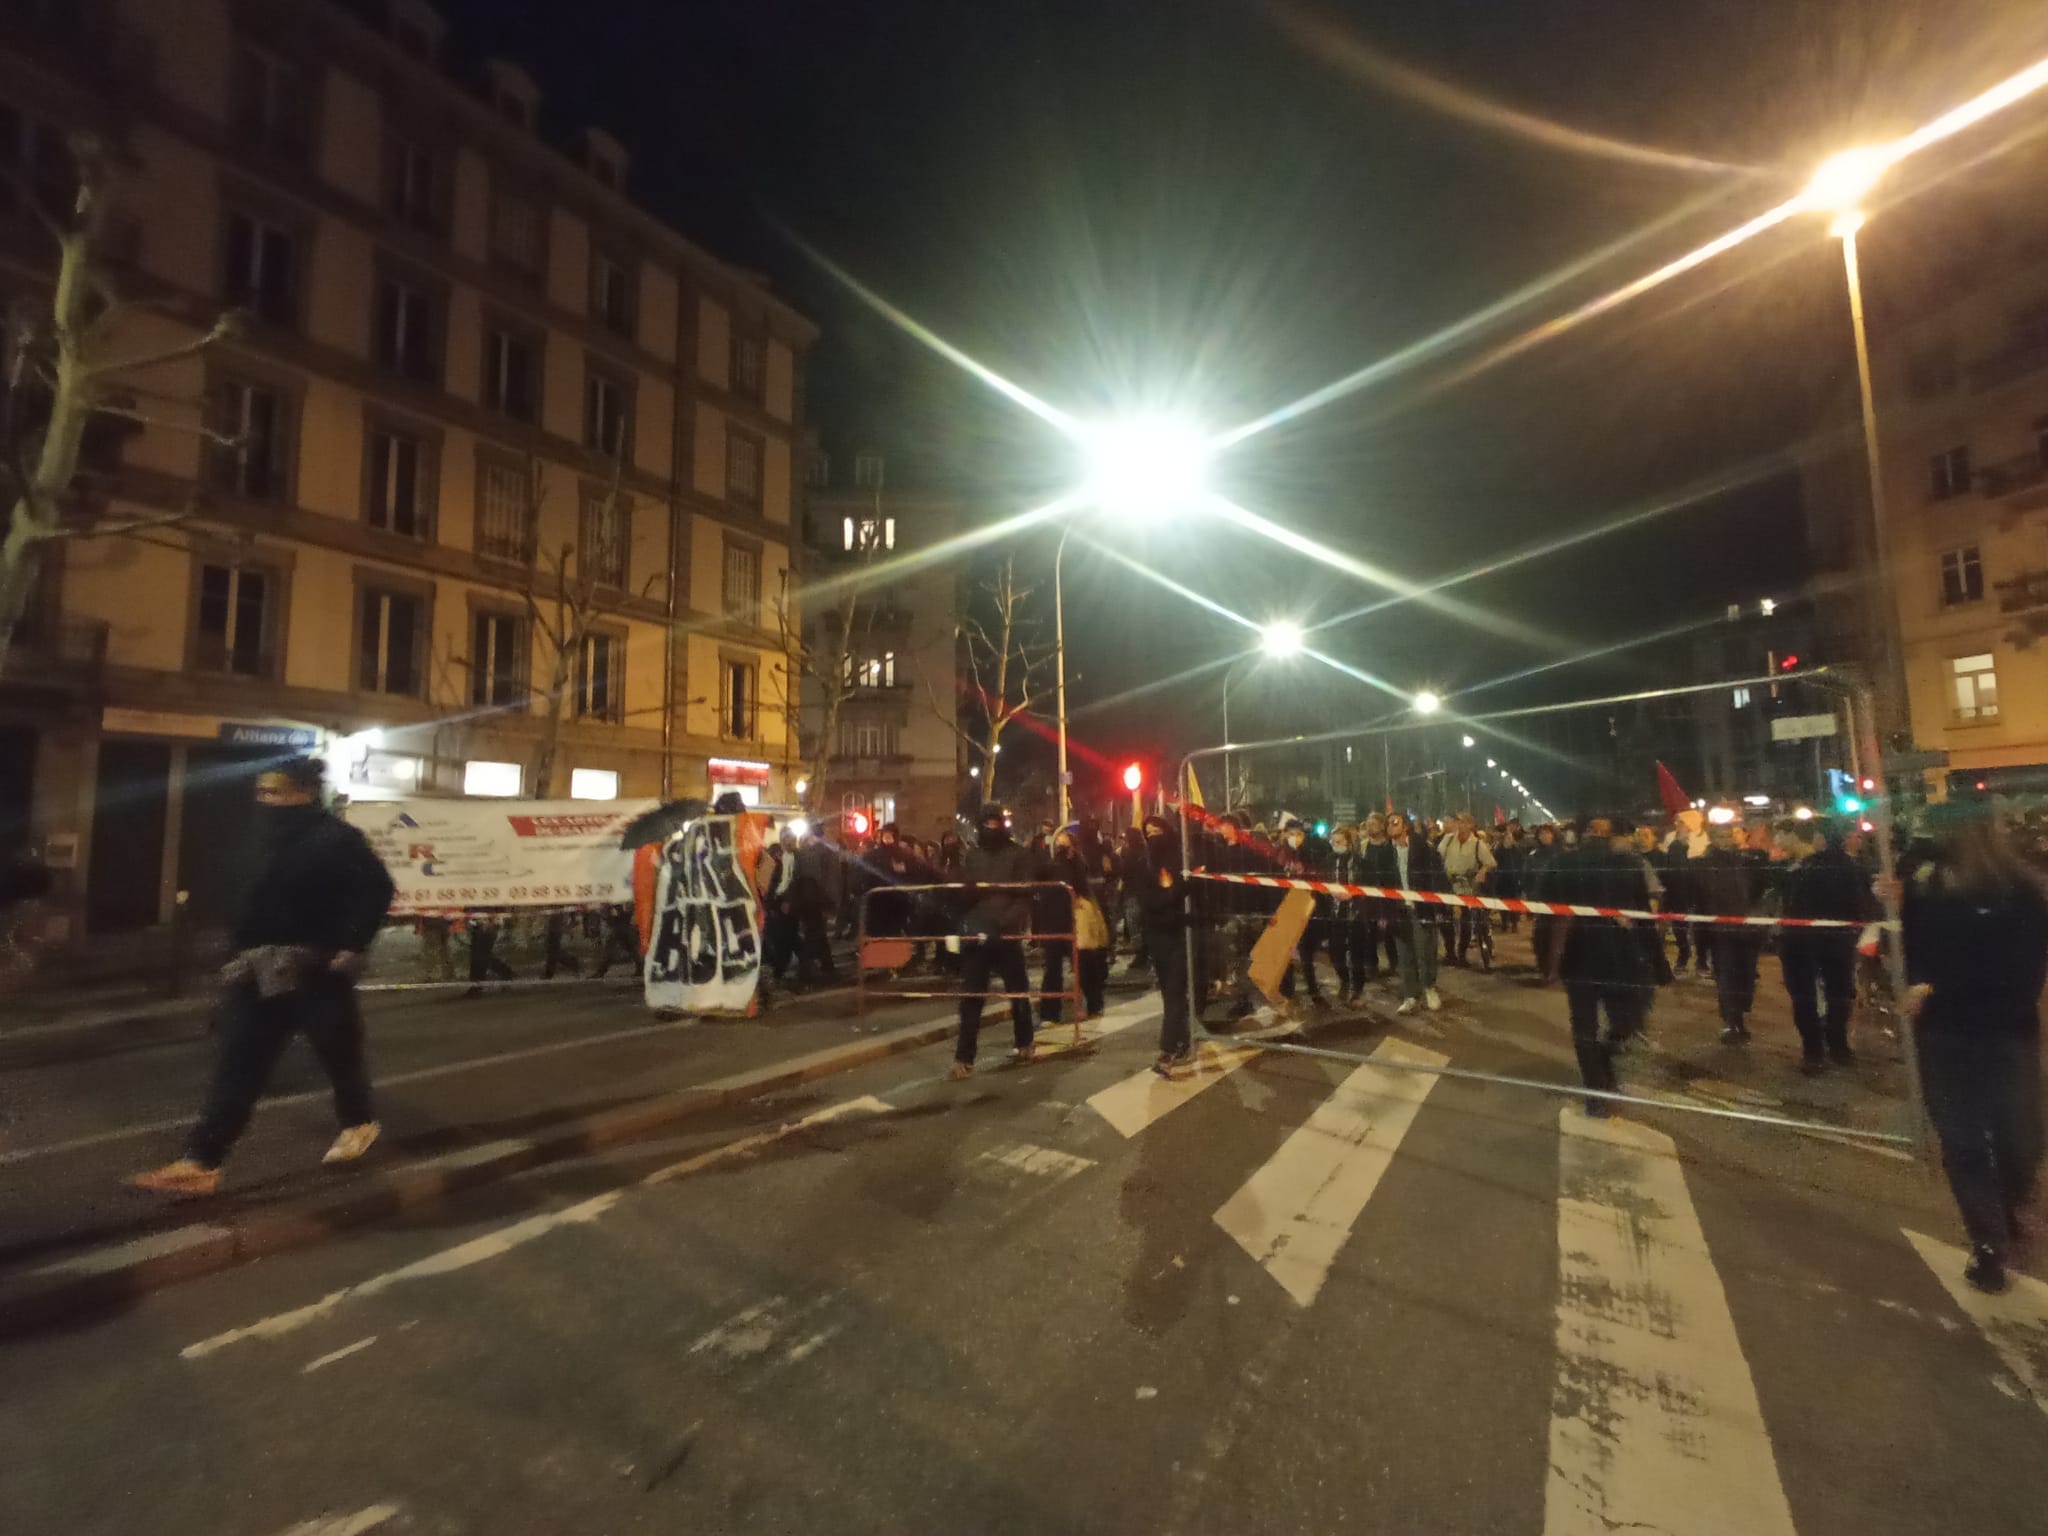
(1134, 777)
(857, 823)
(1869, 784)
(1788, 663)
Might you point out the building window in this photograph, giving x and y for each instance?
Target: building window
(35, 164)
(497, 660)
(272, 102)
(501, 781)
(593, 784)
(867, 471)
(818, 472)
(511, 373)
(611, 292)
(605, 540)
(408, 321)
(871, 671)
(516, 232)
(393, 641)
(237, 616)
(870, 533)
(1962, 577)
(262, 268)
(1949, 473)
(867, 738)
(607, 414)
(746, 367)
(256, 461)
(417, 186)
(504, 511)
(736, 701)
(1741, 698)
(398, 482)
(741, 587)
(1976, 680)
(600, 678)
(743, 469)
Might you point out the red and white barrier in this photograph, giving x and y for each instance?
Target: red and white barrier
(1517, 904)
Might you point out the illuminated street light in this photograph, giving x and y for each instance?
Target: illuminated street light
(1470, 742)
(1427, 703)
(1146, 469)
(1842, 181)
(1281, 638)
(1491, 763)
(1769, 606)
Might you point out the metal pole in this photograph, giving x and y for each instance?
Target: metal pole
(1226, 738)
(1889, 659)
(1059, 622)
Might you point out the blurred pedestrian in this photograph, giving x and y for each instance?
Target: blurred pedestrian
(1080, 915)
(1159, 896)
(1304, 856)
(303, 928)
(1821, 881)
(1601, 960)
(1976, 936)
(992, 935)
(1409, 863)
(1728, 881)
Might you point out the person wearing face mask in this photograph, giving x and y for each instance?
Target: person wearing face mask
(992, 935)
(1087, 951)
(1410, 864)
(1304, 856)
(1157, 888)
(306, 920)
(1241, 910)
(1347, 921)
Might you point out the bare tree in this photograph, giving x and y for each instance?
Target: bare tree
(65, 374)
(1004, 660)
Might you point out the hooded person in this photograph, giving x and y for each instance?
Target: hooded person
(992, 934)
(1304, 856)
(1158, 890)
(1080, 914)
(1601, 960)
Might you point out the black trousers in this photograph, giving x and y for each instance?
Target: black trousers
(1093, 975)
(1313, 936)
(981, 961)
(1586, 1000)
(1166, 945)
(813, 947)
(254, 1031)
(1736, 951)
(1816, 961)
(1354, 947)
(483, 955)
(1984, 1097)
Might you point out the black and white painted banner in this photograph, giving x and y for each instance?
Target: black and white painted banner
(705, 954)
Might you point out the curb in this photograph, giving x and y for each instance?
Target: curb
(103, 1279)
(43, 1045)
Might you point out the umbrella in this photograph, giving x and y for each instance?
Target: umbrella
(661, 823)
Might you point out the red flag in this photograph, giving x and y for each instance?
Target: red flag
(1500, 817)
(1668, 791)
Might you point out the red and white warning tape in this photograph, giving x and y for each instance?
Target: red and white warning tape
(1516, 904)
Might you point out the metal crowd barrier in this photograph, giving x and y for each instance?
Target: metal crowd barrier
(891, 952)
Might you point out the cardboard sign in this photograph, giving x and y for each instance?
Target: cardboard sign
(705, 955)
(450, 856)
(1275, 949)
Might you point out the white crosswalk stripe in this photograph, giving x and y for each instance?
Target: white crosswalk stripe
(1296, 1212)
(1654, 1422)
(2015, 1324)
(1144, 1098)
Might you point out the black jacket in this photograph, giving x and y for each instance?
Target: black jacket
(1382, 866)
(999, 914)
(1155, 881)
(1725, 882)
(1827, 884)
(1601, 951)
(1985, 956)
(317, 884)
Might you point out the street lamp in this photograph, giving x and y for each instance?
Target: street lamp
(1139, 470)
(1427, 703)
(1470, 742)
(1280, 639)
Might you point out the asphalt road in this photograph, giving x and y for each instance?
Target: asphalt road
(1291, 1293)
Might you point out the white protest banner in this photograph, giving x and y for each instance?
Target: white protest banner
(705, 956)
(448, 856)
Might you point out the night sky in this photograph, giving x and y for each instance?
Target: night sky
(1219, 205)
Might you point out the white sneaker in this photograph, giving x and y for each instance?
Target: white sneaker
(1407, 1005)
(1434, 999)
(353, 1142)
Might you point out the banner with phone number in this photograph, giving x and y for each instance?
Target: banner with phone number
(451, 856)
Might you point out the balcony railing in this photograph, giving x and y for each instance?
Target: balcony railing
(2018, 473)
(2022, 592)
(2022, 357)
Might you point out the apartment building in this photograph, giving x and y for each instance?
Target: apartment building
(490, 424)
(892, 753)
(1959, 349)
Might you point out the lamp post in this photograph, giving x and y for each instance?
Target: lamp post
(1280, 639)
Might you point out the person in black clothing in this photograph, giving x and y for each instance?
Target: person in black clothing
(1056, 915)
(1543, 852)
(1350, 948)
(1728, 881)
(1157, 888)
(1133, 869)
(1405, 862)
(992, 935)
(1601, 961)
(1824, 882)
(1304, 856)
(305, 922)
(1976, 934)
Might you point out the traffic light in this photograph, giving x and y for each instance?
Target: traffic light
(857, 823)
(1788, 663)
(1848, 804)
(1134, 777)
(1322, 829)
(1869, 785)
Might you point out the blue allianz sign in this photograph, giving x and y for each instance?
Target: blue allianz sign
(286, 738)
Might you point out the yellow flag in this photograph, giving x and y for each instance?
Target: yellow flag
(1195, 789)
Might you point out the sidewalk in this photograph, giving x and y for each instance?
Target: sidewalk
(72, 1233)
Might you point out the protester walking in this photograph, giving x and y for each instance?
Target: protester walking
(1350, 946)
(1728, 881)
(1079, 914)
(1600, 959)
(1823, 882)
(305, 923)
(1304, 856)
(1469, 863)
(1975, 920)
(992, 935)
(1157, 887)
(1410, 864)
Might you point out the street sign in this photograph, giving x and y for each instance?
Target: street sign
(1344, 812)
(292, 738)
(1916, 762)
(1801, 727)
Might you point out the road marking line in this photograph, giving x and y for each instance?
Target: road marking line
(1296, 1212)
(318, 1095)
(346, 1525)
(1145, 1097)
(1654, 1416)
(493, 1245)
(340, 1354)
(1026, 1157)
(2014, 1324)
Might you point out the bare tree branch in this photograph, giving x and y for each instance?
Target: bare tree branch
(226, 328)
